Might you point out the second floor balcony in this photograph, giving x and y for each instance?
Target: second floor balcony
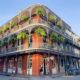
(41, 47)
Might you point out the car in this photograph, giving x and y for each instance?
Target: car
(73, 71)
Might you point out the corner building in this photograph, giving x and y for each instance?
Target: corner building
(38, 42)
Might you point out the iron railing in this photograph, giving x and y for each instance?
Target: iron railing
(44, 46)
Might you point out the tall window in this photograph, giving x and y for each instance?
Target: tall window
(29, 62)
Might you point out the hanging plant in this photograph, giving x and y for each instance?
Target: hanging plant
(22, 35)
(13, 38)
(54, 37)
(51, 18)
(24, 18)
(13, 24)
(61, 39)
(63, 29)
(5, 42)
(59, 23)
(1, 31)
(1, 43)
(6, 27)
(78, 39)
(40, 31)
(40, 11)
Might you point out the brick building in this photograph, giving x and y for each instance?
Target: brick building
(38, 42)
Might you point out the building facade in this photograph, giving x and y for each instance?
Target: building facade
(37, 42)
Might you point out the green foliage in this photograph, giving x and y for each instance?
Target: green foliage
(13, 24)
(13, 38)
(51, 18)
(40, 31)
(40, 11)
(22, 35)
(1, 31)
(5, 42)
(61, 39)
(59, 23)
(6, 27)
(1, 43)
(24, 18)
(54, 37)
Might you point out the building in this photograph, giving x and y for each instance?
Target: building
(38, 42)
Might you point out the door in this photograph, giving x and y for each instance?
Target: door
(20, 65)
(45, 66)
(53, 65)
(10, 66)
(29, 65)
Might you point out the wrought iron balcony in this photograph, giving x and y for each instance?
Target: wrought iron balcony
(40, 47)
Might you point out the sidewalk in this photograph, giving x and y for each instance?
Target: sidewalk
(22, 77)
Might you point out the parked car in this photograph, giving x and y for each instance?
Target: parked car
(73, 71)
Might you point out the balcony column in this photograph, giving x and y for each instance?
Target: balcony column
(29, 38)
(47, 14)
(6, 64)
(30, 15)
(16, 64)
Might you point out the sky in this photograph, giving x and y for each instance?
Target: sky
(67, 10)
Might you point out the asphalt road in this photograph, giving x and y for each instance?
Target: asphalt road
(41, 78)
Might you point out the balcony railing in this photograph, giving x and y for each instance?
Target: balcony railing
(43, 46)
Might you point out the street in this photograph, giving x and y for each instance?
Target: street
(40, 78)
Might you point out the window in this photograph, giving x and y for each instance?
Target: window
(29, 63)
(62, 62)
(44, 39)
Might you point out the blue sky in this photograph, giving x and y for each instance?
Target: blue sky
(68, 10)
